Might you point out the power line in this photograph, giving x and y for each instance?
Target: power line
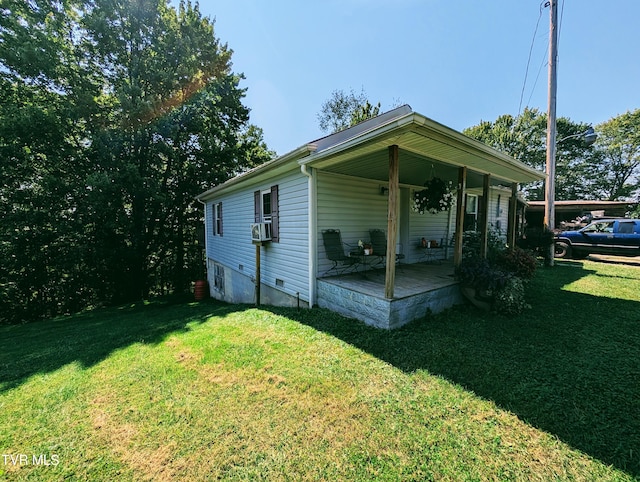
(542, 64)
(542, 6)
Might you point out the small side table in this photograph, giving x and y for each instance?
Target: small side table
(360, 255)
(432, 255)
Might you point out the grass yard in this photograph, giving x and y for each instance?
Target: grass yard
(199, 391)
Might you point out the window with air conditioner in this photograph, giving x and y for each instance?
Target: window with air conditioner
(266, 212)
(266, 206)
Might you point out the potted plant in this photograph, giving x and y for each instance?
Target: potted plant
(435, 197)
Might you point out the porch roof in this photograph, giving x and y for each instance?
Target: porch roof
(427, 148)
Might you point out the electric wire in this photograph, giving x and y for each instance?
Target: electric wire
(542, 64)
(558, 42)
(545, 60)
(524, 84)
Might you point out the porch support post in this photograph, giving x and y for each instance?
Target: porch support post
(258, 273)
(460, 210)
(484, 228)
(513, 213)
(392, 223)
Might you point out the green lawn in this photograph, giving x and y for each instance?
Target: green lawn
(199, 391)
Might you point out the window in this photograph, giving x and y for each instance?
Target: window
(216, 217)
(265, 205)
(600, 227)
(218, 278)
(471, 213)
(472, 204)
(626, 228)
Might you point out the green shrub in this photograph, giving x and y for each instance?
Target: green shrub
(539, 241)
(510, 299)
(499, 279)
(481, 274)
(471, 243)
(518, 261)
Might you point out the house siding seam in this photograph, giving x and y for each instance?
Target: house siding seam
(279, 260)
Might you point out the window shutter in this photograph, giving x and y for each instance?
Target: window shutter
(212, 210)
(257, 207)
(220, 221)
(275, 215)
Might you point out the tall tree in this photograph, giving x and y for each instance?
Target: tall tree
(342, 110)
(42, 82)
(114, 116)
(523, 137)
(178, 127)
(617, 174)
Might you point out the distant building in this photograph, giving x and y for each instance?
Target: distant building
(570, 210)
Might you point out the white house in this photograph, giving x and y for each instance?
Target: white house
(353, 181)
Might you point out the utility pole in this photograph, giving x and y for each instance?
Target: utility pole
(550, 185)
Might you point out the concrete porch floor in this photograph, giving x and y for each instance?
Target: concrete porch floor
(419, 288)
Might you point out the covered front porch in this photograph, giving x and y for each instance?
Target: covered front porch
(366, 178)
(420, 288)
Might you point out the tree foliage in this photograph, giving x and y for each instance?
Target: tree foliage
(617, 173)
(524, 138)
(114, 116)
(364, 112)
(343, 110)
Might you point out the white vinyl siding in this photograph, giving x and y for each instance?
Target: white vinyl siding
(286, 260)
(438, 227)
(355, 205)
(499, 210)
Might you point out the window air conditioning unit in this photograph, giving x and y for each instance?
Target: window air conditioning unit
(260, 232)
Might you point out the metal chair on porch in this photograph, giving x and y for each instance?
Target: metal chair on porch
(379, 245)
(334, 249)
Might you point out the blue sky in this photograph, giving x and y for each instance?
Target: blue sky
(457, 62)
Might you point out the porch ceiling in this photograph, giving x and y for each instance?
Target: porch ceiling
(426, 149)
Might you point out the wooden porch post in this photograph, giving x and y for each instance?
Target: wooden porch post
(392, 223)
(513, 213)
(484, 228)
(460, 210)
(258, 273)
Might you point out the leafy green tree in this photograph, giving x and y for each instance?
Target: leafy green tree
(342, 110)
(524, 138)
(617, 174)
(114, 116)
(177, 128)
(40, 163)
(364, 112)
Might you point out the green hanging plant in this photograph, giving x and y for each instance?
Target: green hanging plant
(437, 196)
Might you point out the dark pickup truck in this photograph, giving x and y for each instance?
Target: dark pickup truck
(620, 237)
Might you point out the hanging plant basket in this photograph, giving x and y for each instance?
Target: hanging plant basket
(437, 196)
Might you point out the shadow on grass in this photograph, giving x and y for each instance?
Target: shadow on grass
(570, 366)
(43, 347)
